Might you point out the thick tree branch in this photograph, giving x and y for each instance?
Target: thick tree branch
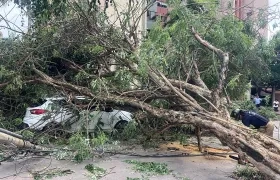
(190, 87)
(196, 77)
(224, 58)
(194, 104)
(206, 44)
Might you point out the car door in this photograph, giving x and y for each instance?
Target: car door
(59, 112)
(105, 120)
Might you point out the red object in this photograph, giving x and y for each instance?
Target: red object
(38, 111)
(238, 6)
(161, 11)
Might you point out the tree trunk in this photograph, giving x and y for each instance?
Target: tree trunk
(8, 139)
(198, 136)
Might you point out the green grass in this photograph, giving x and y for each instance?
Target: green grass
(149, 167)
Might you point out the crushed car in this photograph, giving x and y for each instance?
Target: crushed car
(50, 112)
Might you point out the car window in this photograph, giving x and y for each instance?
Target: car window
(84, 104)
(56, 105)
(39, 102)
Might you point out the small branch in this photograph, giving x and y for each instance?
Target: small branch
(209, 102)
(224, 58)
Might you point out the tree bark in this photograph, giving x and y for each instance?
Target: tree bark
(198, 136)
(196, 77)
(8, 139)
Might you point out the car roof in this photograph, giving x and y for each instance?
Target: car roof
(63, 98)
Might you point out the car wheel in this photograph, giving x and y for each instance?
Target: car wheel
(120, 126)
(23, 126)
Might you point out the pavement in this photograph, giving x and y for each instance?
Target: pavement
(193, 168)
(276, 132)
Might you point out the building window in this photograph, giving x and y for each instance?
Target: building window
(250, 13)
(159, 4)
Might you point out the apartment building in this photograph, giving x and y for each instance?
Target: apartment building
(247, 9)
(242, 9)
(157, 9)
(115, 10)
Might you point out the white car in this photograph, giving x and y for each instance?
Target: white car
(53, 111)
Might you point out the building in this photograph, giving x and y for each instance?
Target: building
(157, 9)
(248, 10)
(114, 11)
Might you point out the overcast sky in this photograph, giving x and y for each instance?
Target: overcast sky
(274, 7)
(16, 20)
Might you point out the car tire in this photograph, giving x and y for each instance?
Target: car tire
(23, 126)
(120, 126)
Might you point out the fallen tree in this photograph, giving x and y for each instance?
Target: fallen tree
(105, 62)
(20, 143)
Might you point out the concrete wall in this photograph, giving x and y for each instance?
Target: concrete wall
(251, 9)
(225, 7)
(122, 7)
(244, 9)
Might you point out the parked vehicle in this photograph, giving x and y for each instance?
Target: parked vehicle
(53, 111)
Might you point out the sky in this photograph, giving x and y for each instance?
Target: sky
(275, 7)
(13, 14)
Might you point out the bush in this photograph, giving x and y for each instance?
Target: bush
(248, 173)
(246, 105)
(100, 139)
(81, 146)
(130, 131)
(27, 134)
(267, 112)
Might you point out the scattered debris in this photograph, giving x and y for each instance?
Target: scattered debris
(95, 172)
(149, 167)
(50, 173)
(142, 178)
